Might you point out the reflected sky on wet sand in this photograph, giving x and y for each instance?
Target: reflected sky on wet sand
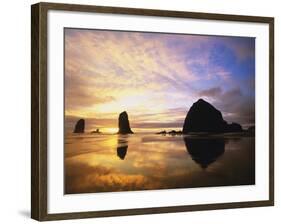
(108, 162)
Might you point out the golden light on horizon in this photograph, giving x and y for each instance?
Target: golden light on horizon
(110, 130)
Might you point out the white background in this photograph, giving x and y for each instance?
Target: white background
(15, 112)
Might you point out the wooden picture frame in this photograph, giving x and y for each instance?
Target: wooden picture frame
(39, 109)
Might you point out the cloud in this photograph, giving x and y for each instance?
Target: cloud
(85, 99)
(233, 103)
(107, 72)
(107, 120)
(212, 92)
(158, 125)
(244, 48)
(172, 118)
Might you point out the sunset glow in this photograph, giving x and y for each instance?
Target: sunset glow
(155, 78)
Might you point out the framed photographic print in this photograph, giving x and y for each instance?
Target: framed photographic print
(140, 111)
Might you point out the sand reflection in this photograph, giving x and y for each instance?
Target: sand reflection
(107, 163)
(122, 146)
(204, 151)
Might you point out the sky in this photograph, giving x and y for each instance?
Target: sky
(156, 78)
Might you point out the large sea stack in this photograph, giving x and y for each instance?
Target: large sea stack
(123, 124)
(80, 126)
(204, 117)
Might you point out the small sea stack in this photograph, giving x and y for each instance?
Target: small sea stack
(80, 126)
(123, 124)
(234, 127)
(97, 131)
(162, 132)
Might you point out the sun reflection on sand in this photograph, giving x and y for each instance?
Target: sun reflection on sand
(106, 163)
(110, 130)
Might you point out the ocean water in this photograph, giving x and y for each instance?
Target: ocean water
(112, 162)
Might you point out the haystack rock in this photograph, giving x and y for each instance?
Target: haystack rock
(80, 126)
(204, 117)
(123, 124)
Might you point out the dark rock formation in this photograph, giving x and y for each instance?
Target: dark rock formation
(173, 132)
(97, 131)
(80, 126)
(204, 151)
(204, 117)
(162, 132)
(123, 124)
(234, 127)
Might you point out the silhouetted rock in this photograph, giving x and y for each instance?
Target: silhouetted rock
(234, 127)
(161, 133)
(204, 117)
(173, 132)
(204, 151)
(97, 131)
(80, 126)
(123, 124)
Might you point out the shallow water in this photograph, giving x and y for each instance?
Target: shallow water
(107, 163)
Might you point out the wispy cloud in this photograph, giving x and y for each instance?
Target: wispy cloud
(212, 92)
(235, 105)
(107, 72)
